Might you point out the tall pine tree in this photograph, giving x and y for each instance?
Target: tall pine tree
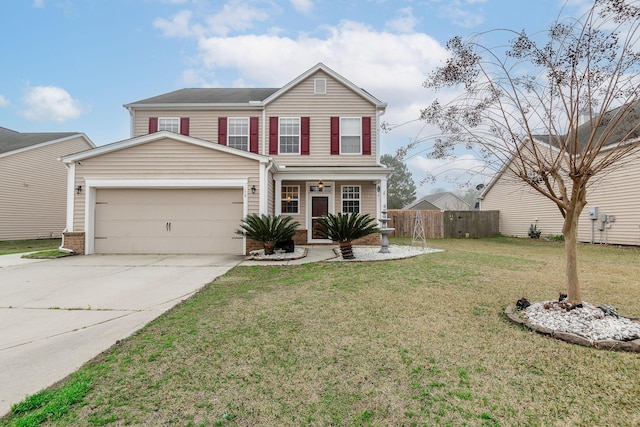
(401, 190)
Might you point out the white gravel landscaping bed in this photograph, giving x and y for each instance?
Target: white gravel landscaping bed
(587, 321)
(372, 253)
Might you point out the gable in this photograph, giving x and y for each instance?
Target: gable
(182, 142)
(12, 141)
(321, 71)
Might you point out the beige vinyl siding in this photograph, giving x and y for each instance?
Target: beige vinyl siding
(166, 159)
(33, 188)
(203, 124)
(520, 206)
(339, 101)
(614, 194)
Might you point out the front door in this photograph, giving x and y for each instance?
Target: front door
(319, 207)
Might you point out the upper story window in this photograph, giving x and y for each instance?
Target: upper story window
(350, 135)
(289, 135)
(290, 202)
(171, 124)
(238, 133)
(350, 199)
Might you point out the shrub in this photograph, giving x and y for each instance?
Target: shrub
(534, 233)
(345, 228)
(268, 229)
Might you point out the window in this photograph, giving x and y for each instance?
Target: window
(290, 199)
(171, 124)
(289, 135)
(350, 132)
(319, 86)
(350, 199)
(238, 133)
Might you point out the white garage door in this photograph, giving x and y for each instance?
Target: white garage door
(189, 221)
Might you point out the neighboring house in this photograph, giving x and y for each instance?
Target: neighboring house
(33, 182)
(200, 160)
(611, 196)
(445, 201)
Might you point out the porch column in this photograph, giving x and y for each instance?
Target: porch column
(278, 196)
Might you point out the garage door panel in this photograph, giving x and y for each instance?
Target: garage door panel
(168, 220)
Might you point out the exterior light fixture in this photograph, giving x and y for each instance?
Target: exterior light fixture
(79, 189)
(320, 185)
(253, 189)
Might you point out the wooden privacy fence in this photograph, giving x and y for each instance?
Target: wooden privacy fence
(447, 224)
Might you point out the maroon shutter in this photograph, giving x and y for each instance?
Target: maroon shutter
(184, 125)
(273, 135)
(222, 130)
(335, 135)
(304, 136)
(366, 135)
(253, 134)
(153, 124)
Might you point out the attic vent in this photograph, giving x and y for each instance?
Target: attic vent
(320, 86)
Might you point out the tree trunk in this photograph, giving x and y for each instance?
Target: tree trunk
(570, 233)
(346, 250)
(268, 248)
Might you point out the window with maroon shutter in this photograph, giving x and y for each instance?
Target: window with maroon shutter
(184, 125)
(335, 135)
(222, 130)
(304, 136)
(273, 135)
(366, 136)
(253, 134)
(153, 124)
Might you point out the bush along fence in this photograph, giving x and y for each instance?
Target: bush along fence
(447, 224)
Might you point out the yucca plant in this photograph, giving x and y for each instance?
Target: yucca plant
(345, 228)
(268, 229)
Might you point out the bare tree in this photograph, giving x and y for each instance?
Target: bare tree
(554, 109)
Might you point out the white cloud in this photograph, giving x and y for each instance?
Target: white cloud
(234, 16)
(178, 26)
(38, 3)
(50, 103)
(463, 13)
(3, 101)
(405, 22)
(302, 6)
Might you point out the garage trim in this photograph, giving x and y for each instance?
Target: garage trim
(92, 184)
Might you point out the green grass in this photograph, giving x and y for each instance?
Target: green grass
(419, 341)
(19, 246)
(48, 254)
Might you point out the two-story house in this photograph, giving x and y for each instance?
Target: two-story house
(200, 160)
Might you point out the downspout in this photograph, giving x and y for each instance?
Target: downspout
(71, 175)
(264, 179)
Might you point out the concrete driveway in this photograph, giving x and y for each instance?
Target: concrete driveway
(55, 315)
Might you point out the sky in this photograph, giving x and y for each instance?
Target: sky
(70, 65)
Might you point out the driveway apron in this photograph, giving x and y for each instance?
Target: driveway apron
(55, 315)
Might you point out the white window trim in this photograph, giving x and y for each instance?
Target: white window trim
(359, 152)
(342, 199)
(168, 118)
(282, 199)
(299, 136)
(248, 132)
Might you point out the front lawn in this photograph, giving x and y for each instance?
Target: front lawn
(419, 341)
(19, 246)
